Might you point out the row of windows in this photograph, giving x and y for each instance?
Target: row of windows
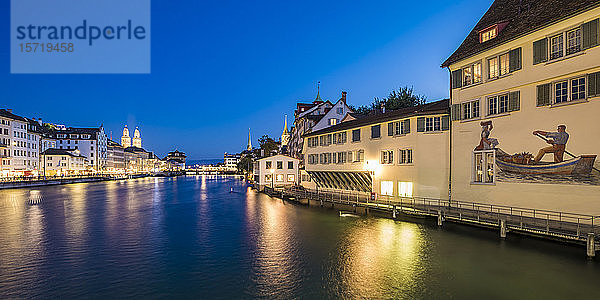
(405, 156)
(24, 153)
(336, 157)
(567, 90)
(280, 178)
(405, 189)
(269, 165)
(494, 105)
(4, 122)
(548, 49)
(424, 124)
(5, 131)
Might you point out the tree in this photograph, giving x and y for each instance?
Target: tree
(245, 164)
(267, 144)
(397, 99)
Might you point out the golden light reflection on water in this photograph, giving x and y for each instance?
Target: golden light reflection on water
(381, 257)
(275, 259)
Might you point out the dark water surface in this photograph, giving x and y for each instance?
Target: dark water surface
(189, 237)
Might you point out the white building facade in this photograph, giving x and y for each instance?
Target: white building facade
(276, 171)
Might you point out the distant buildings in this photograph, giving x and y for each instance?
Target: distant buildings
(230, 161)
(29, 147)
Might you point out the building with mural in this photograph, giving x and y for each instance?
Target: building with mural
(525, 95)
(397, 153)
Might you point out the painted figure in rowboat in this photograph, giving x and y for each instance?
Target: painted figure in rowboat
(524, 163)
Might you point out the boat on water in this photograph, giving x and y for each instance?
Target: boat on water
(577, 166)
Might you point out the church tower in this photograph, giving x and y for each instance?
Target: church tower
(137, 139)
(125, 139)
(249, 148)
(285, 135)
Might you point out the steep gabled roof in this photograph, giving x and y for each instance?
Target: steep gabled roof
(5, 113)
(521, 17)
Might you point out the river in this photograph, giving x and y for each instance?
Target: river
(190, 237)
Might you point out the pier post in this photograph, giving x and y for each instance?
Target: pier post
(394, 212)
(440, 218)
(591, 245)
(503, 228)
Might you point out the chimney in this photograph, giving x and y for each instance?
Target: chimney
(40, 121)
(344, 96)
(9, 110)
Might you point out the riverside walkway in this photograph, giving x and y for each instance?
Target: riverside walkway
(561, 226)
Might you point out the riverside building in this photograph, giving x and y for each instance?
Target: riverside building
(525, 95)
(398, 153)
(275, 171)
(91, 143)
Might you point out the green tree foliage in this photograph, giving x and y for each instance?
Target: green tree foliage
(267, 144)
(397, 99)
(245, 164)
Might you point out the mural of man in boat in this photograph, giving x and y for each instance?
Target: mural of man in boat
(558, 143)
(524, 163)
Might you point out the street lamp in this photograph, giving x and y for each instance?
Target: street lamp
(273, 179)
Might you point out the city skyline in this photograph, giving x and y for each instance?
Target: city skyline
(229, 75)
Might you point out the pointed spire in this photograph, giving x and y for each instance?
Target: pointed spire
(318, 92)
(249, 148)
(285, 130)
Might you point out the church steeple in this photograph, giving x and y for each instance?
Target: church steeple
(249, 148)
(285, 135)
(318, 92)
(126, 139)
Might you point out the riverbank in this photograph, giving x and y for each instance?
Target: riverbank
(61, 181)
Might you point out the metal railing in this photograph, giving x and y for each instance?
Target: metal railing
(539, 221)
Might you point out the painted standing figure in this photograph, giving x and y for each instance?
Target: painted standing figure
(558, 143)
(486, 143)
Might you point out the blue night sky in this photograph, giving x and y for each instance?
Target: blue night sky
(221, 67)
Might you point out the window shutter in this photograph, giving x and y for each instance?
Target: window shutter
(543, 94)
(591, 81)
(457, 79)
(421, 124)
(390, 129)
(456, 116)
(514, 58)
(406, 128)
(514, 101)
(540, 51)
(445, 122)
(590, 34)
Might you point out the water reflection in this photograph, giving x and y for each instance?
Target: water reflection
(193, 238)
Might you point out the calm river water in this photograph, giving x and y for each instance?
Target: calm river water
(189, 237)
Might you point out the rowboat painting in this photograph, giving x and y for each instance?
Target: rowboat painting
(577, 166)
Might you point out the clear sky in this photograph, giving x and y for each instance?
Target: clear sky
(221, 67)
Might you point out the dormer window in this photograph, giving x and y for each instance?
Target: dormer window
(488, 34)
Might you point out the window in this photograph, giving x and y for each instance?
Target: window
(561, 92)
(399, 127)
(339, 138)
(290, 164)
(387, 157)
(405, 156)
(578, 89)
(268, 178)
(483, 166)
(488, 34)
(573, 41)
(268, 165)
(332, 121)
(291, 178)
(328, 139)
(358, 156)
(556, 46)
(432, 124)
(405, 189)
(498, 104)
(340, 110)
(375, 131)
(470, 110)
(387, 188)
(504, 64)
(279, 165)
(493, 67)
(341, 157)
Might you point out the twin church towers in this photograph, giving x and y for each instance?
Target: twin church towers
(127, 141)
